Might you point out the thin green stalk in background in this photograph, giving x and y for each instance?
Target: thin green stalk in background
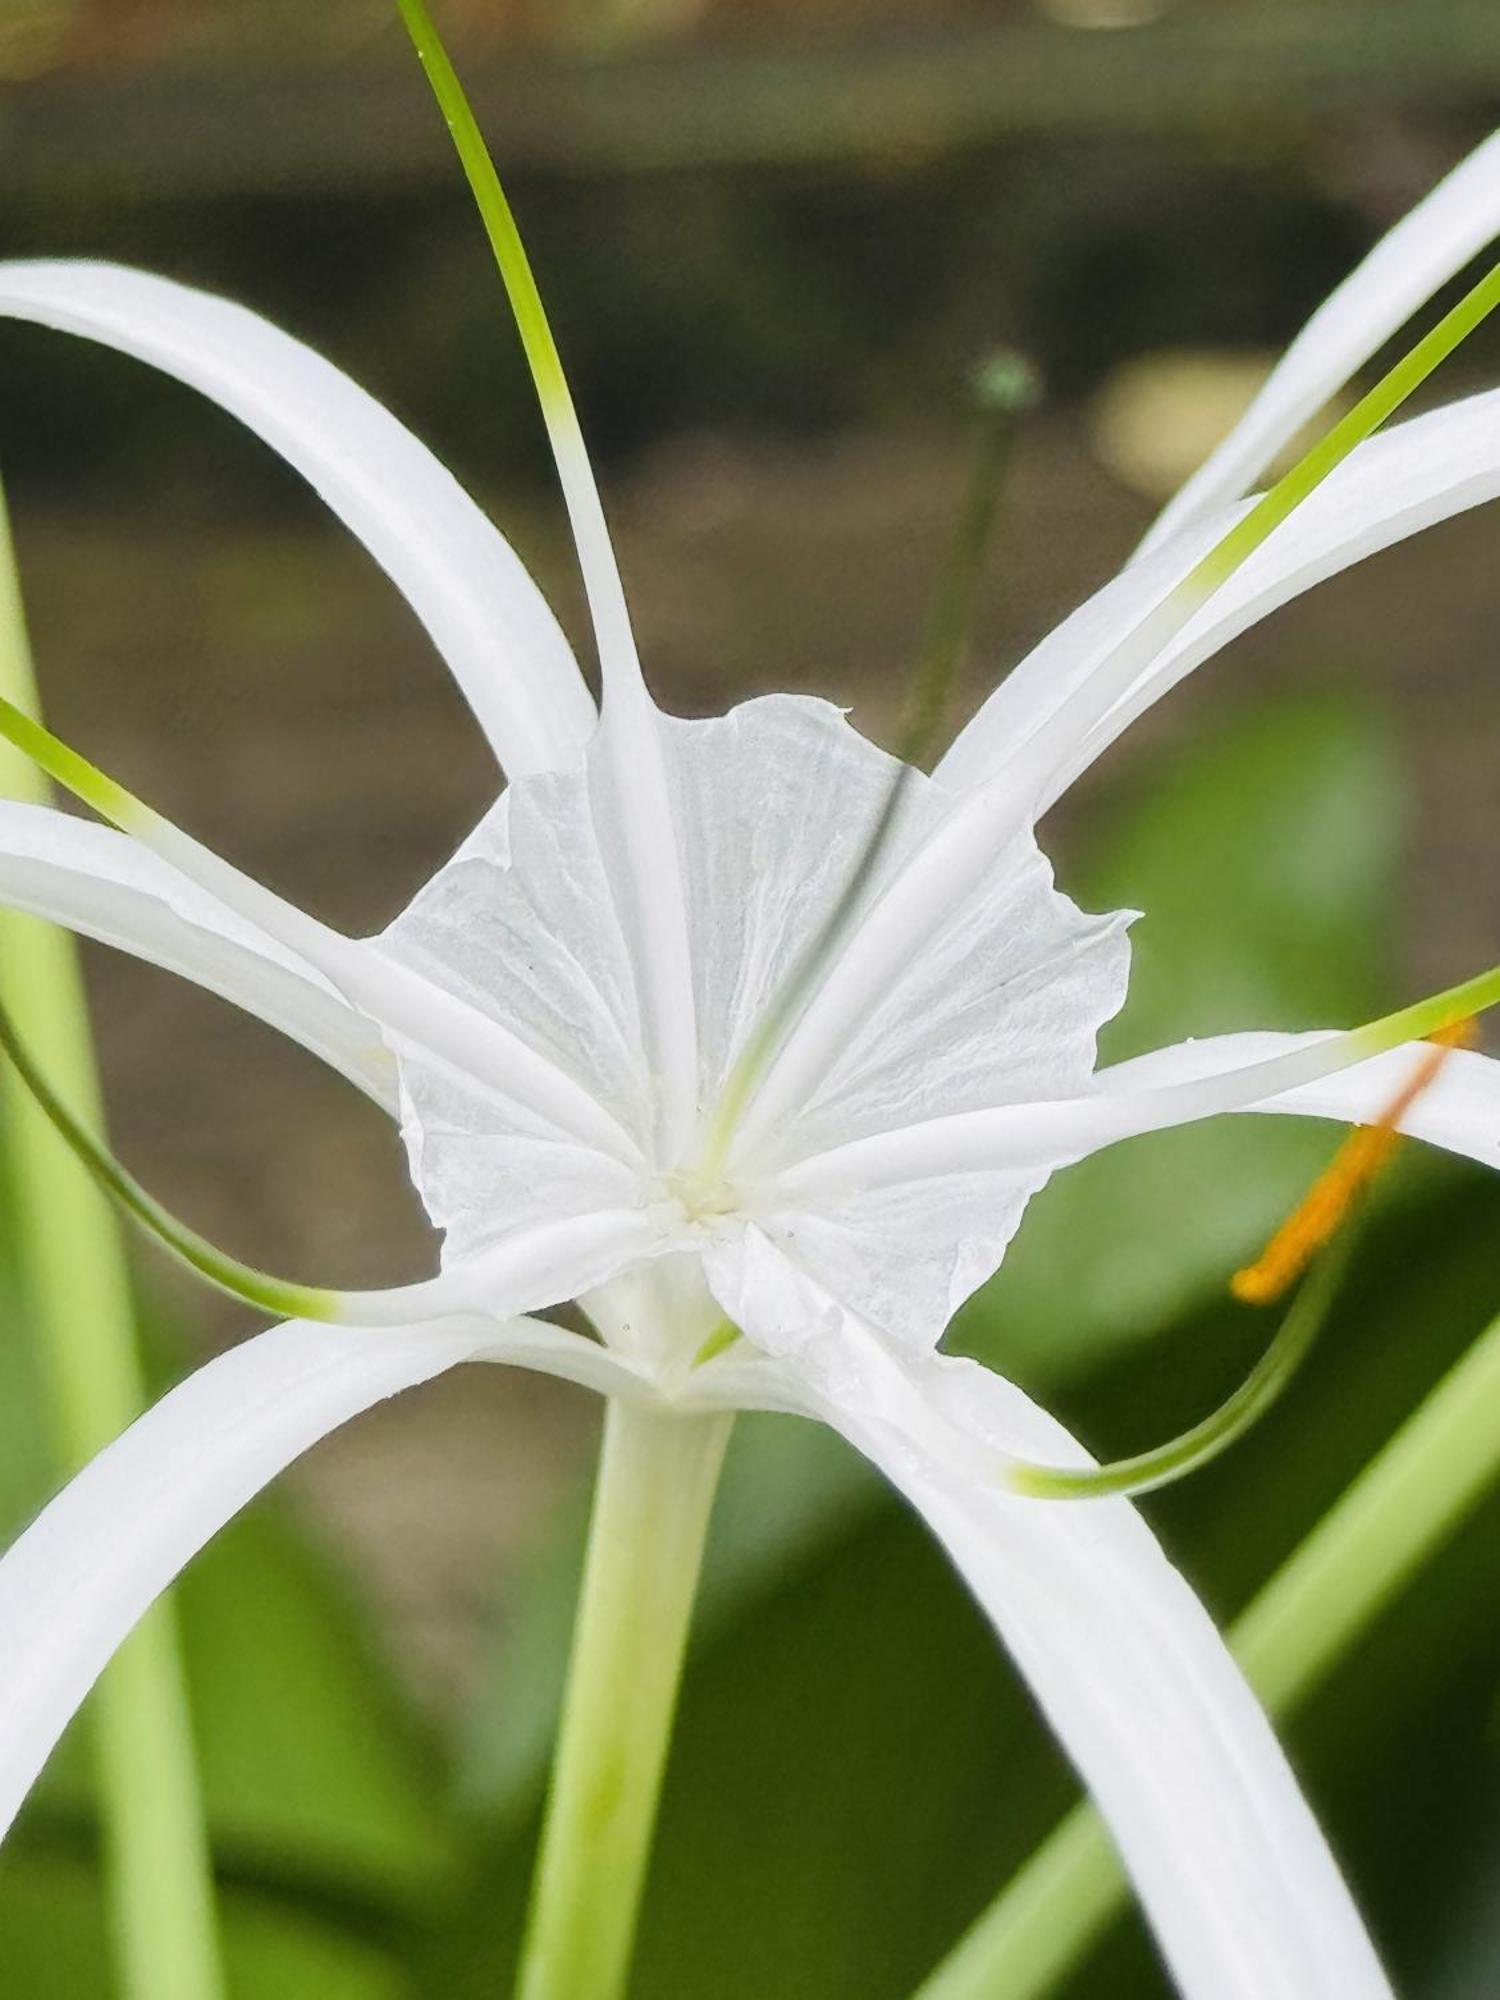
(1395, 1515)
(657, 1477)
(73, 1276)
(1002, 392)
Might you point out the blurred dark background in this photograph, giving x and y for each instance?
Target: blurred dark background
(774, 237)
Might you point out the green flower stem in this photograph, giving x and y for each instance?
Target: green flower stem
(1398, 1512)
(73, 1271)
(657, 1477)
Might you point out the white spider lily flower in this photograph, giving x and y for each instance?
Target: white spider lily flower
(562, 1022)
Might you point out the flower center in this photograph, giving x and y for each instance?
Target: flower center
(701, 1192)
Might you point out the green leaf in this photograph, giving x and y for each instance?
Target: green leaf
(312, 1773)
(53, 1942)
(312, 1767)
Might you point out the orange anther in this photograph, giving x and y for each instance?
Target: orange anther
(1328, 1201)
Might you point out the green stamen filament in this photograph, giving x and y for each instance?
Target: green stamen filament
(1439, 1014)
(1199, 1446)
(74, 772)
(241, 1281)
(1318, 1220)
(564, 432)
(1116, 673)
(495, 212)
(1003, 390)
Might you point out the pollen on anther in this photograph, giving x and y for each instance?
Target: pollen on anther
(1327, 1203)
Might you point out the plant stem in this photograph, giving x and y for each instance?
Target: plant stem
(1396, 1514)
(657, 1476)
(74, 1277)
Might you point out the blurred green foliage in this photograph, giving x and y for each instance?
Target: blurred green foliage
(856, 1768)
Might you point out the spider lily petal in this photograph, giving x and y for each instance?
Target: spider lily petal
(1283, 1073)
(106, 886)
(1230, 1867)
(1427, 247)
(484, 613)
(1458, 1110)
(98, 1556)
(1394, 485)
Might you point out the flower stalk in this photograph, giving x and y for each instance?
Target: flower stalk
(658, 1473)
(71, 1264)
(1002, 391)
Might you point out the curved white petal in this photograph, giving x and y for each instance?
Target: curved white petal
(1229, 1865)
(1409, 478)
(560, 1248)
(109, 887)
(1059, 665)
(1323, 1075)
(410, 1009)
(1459, 1110)
(1426, 248)
(73, 1585)
(484, 613)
